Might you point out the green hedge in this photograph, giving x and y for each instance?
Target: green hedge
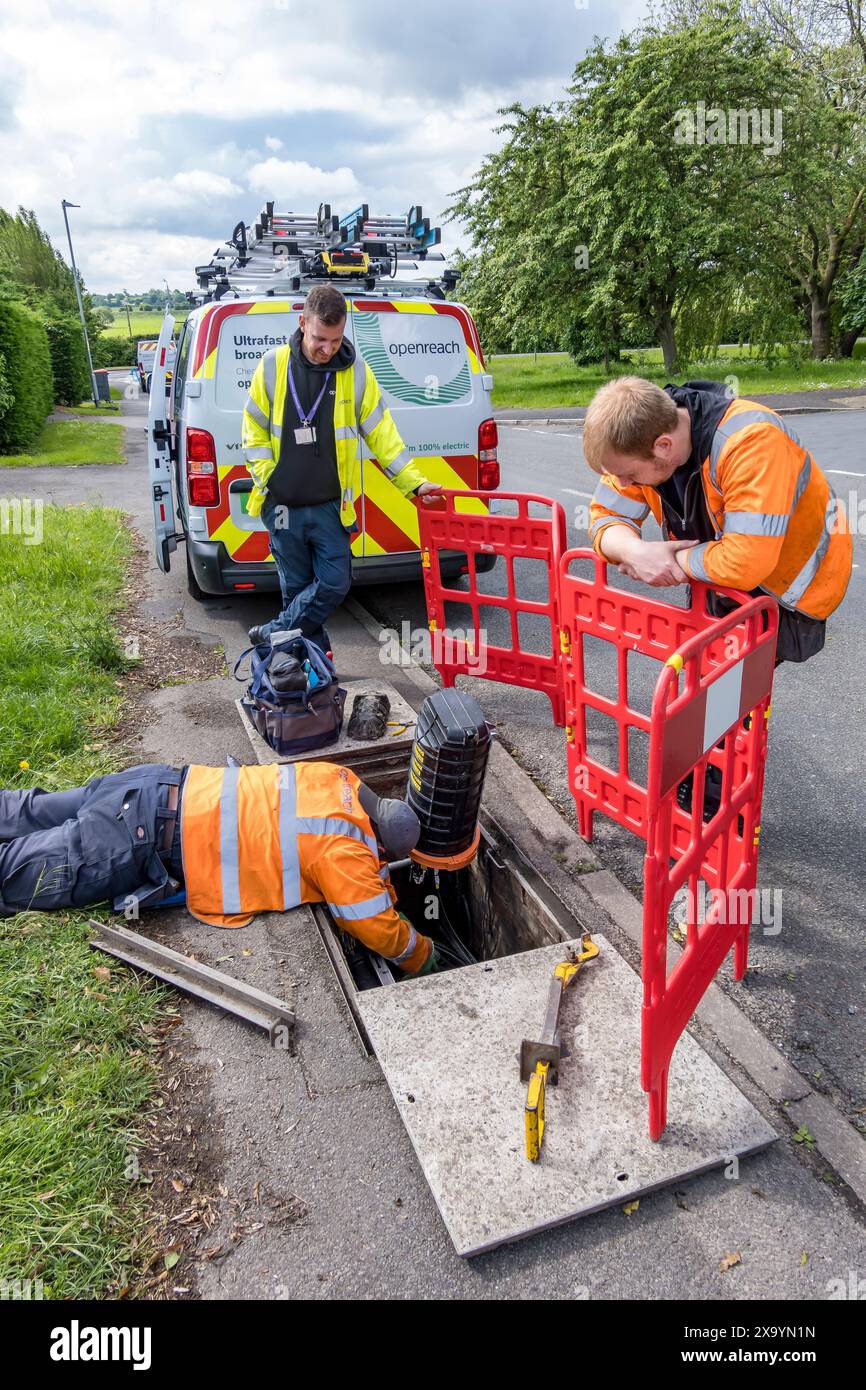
(68, 360)
(113, 352)
(24, 345)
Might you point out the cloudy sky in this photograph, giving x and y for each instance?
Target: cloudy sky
(169, 123)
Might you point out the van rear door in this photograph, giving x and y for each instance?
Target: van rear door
(159, 453)
(427, 360)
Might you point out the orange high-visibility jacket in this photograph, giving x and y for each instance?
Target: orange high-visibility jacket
(264, 839)
(779, 525)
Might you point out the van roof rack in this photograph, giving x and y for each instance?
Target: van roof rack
(286, 253)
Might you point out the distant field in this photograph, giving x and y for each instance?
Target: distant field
(144, 325)
(554, 380)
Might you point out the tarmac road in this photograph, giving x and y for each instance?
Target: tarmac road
(806, 985)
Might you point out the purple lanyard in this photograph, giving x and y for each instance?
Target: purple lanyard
(306, 422)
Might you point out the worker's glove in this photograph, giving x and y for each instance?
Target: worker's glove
(431, 964)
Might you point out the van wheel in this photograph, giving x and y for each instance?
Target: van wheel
(192, 583)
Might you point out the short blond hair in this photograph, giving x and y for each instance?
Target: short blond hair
(626, 417)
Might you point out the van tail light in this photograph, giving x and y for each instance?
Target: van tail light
(203, 485)
(488, 463)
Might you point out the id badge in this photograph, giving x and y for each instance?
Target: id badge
(305, 434)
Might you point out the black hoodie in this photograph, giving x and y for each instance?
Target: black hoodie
(306, 474)
(682, 495)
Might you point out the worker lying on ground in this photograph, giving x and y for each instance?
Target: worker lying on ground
(241, 840)
(741, 503)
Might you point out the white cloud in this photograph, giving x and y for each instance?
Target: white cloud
(273, 143)
(186, 190)
(294, 182)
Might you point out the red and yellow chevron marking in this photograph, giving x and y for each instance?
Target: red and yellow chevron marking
(389, 519)
(204, 360)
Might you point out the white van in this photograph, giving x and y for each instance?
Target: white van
(426, 356)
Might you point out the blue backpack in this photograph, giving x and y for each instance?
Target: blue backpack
(293, 721)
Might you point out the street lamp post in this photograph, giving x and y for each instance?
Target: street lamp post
(93, 389)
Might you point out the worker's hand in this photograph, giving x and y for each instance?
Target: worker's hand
(655, 562)
(431, 964)
(429, 493)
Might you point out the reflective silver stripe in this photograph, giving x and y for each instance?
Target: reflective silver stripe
(360, 380)
(756, 523)
(377, 414)
(276, 431)
(356, 912)
(695, 563)
(603, 521)
(384, 873)
(795, 591)
(802, 481)
(261, 451)
(398, 464)
(404, 955)
(330, 825)
(269, 367)
(348, 497)
(345, 432)
(256, 412)
(289, 836)
(229, 866)
(739, 422)
(606, 496)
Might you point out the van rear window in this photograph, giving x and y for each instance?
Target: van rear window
(244, 338)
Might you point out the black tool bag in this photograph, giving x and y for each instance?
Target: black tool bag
(293, 721)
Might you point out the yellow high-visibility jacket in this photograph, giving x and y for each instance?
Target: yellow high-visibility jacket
(265, 839)
(358, 406)
(779, 525)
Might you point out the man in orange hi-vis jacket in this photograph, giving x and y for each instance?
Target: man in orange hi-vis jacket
(242, 840)
(741, 502)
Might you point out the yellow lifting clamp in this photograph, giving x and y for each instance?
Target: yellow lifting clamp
(539, 1061)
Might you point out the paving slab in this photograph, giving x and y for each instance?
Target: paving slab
(449, 1047)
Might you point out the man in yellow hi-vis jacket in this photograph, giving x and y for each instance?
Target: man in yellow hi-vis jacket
(307, 403)
(241, 840)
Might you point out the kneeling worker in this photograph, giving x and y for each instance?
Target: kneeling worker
(242, 840)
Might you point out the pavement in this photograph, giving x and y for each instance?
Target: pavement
(316, 1135)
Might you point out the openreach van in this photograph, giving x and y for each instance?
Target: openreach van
(423, 350)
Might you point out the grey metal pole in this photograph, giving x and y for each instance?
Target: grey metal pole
(93, 389)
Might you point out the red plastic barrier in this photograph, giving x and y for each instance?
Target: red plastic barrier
(703, 713)
(711, 706)
(631, 622)
(521, 536)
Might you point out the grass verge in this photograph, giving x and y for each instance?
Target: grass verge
(554, 380)
(71, 442)
(76, 1030)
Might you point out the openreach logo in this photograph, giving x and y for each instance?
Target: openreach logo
(77, 1343)
(441, 647)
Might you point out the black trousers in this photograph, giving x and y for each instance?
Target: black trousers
(89, 844)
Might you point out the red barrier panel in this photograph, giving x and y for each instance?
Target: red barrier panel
(630, 622)
(520, 536)
(710, 708)
(703, 714)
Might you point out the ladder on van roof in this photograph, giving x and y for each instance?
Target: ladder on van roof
(284, 253)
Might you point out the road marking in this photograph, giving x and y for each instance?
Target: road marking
(845, 472)
(573, 492)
